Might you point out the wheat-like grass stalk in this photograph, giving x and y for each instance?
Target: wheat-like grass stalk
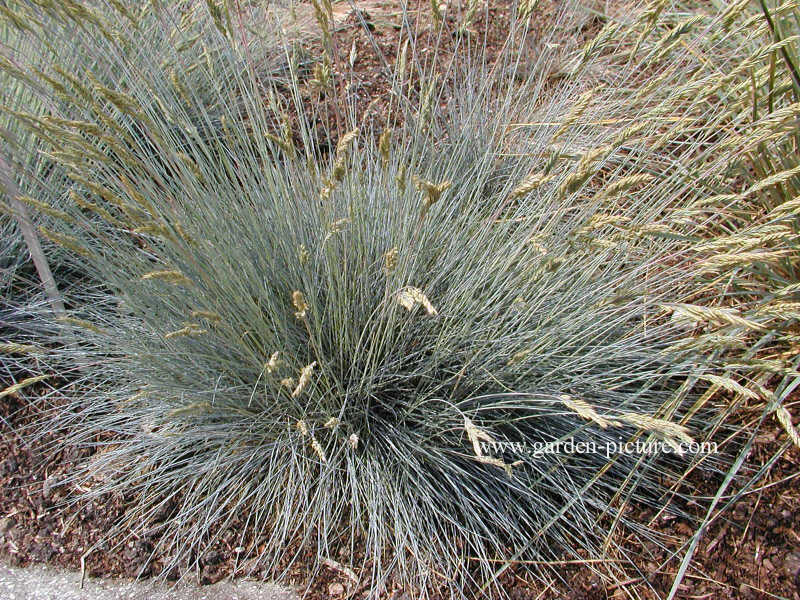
(12, 390)
(785, 419)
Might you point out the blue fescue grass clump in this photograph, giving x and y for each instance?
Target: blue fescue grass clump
(353, 349)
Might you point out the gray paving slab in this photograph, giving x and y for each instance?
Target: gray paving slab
(48, 583)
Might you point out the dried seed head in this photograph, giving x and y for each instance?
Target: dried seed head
(600, 220)
(432, 192)
(410, 297)
(194, 407)
(47, 209)
(721, 316)
(518, 357)
(530, 184)
(497, 462)
(384, 143)
(540, 248)
(344, 142)
(574, 114)
(322, 76)
(273, 363)
(302, 255)
(67, 241)
(475, 436)
(12, 390)
(400, 178)
(323, 13)
(586, 411)
(603, 243)
(785, 419)
(469, 16)
(207, 315)
(123, 102)
(626, 183)
(732, 12)
(629, 132)
(342, 147)
(317, 447)
(584, 170)
(14, 348)
(189, 162)
(191, 329)
(216, 12)
(299, 302)
(670, 432)
(81, 323)
(426, 106)
(390, 260)
(353, 441)
(722, 262)
(774, 179)
(438, 11)
(286, 142)
(338, 225)
(305, 377)
(327, 188)
(402, 62)
(526, 8)
(95, 208)
(726, 383)
(170, 276)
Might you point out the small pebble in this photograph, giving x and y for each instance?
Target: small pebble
(336, 589)
(6, 523)
(47, 487)
(791, 564)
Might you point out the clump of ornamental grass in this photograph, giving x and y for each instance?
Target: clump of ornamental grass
(376, 353)
(731, 78)
(37, 190)
(749, 251)
(29, 194)
(732, 75)
(38, 185)
(25, 175)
